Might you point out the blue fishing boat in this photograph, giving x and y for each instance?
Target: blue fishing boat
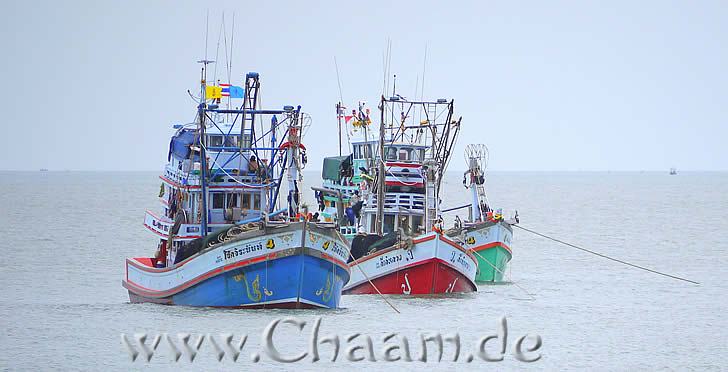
(227, 238)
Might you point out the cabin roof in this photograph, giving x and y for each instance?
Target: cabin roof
(220, 128)
(388, 144)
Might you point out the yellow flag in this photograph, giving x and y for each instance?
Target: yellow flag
(212, 92)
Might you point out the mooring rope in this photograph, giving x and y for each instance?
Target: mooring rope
(607, 257)
(509, 277)
(372, 284)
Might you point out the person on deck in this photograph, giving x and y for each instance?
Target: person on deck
(262, 171)
(319, 199)
(160, 258)
(404, 225)
(351, 218)
(356, 203)
(253, 165)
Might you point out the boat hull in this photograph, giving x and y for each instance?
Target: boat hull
(296, 268)
(490, 243)
(434, 264)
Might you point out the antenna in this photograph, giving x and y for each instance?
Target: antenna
(424, 65)
(225, 44)
(339, 106)
(338, 80)
(417, 85)
(386, 61)
(422, 92)
(232, 37)
(207, 29)
(217, 49)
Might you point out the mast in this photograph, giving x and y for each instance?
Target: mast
(294, 141)
(380, 176)
(338, 115)
(203, 154)
(474, 201)
(369, 155)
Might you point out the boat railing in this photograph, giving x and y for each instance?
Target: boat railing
(399, 201)
(181, 176)
(187, 231)
(347, 190)
(347, 230)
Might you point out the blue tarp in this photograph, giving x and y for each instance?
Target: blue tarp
(179, 146)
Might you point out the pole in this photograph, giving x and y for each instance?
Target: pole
(338, 115)
(475, 214)
(381, 176)
(203, 154)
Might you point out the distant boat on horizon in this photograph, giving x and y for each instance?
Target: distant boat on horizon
(673, 171)
(44, 169)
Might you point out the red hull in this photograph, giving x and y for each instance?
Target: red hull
(432, 276)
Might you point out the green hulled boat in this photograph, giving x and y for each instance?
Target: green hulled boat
(490, 243)
(486, 233)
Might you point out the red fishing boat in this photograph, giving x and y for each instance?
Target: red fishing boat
(397, 245)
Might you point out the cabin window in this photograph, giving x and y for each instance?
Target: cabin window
(218, 200)
(232, 141)
(232, 200)
(246, 141)
(422, 155)
(368, 151)
(405, 154)
(215, 141)
(246, 201)
(357, 152)
(416, 223)
(391, 153)
(256, 201)
(388, 223)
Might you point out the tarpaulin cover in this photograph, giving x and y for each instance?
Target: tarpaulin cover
(179, 146)
(333, 166)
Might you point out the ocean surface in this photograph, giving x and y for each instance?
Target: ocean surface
(66, 234)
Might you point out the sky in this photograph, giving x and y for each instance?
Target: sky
(546, 85)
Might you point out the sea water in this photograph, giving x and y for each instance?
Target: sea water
(65, 236)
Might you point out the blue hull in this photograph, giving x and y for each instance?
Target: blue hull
(297, 281)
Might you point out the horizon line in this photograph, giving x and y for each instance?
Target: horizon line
(450, 170)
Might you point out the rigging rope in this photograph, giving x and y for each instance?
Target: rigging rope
(607, 257)
(372, 284)
(509, 277)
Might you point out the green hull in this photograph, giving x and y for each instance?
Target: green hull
(497, 257)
